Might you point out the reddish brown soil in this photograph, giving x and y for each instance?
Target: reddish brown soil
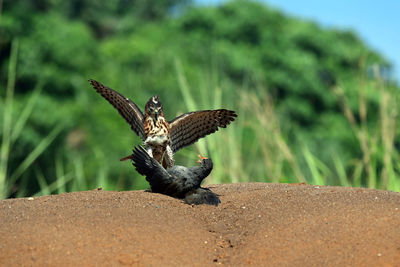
(256, 224)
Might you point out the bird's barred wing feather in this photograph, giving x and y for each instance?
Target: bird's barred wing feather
(190, 127)
(128, 110)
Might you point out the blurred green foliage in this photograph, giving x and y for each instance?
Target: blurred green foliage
(215, 55)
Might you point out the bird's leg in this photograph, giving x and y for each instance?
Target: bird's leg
(149, 151)
(147, 141)
(169, 156)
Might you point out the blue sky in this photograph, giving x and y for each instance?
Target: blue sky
(377, 22)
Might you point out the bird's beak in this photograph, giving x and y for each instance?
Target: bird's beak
(201, 158)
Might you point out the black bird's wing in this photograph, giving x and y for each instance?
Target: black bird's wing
(128, 110)
(190, 127)
(155, 173)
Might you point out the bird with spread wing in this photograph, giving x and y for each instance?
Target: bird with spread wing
(178, 181)
(161, 137)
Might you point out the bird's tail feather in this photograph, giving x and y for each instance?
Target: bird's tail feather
(126, 158)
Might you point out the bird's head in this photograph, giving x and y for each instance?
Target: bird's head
(205, 162)
(154, 108)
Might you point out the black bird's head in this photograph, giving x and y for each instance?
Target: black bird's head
(205, 163)
(154, 108)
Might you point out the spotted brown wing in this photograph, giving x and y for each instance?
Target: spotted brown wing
(190, 127)
(128, 110)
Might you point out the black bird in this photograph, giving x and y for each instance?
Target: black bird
(178, 181)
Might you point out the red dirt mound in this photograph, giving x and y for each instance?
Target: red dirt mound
(256, 224)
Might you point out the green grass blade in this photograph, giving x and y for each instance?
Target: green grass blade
(317, 178)
(53, 187)
(60, 174)
(7, 119)
(372, 178)
(188, 99)
(184, 87)
(34, 154)
(79, 173)
(394, 178)
(101, 179)
(394, 181)
(44, 187)
(357, 174)
(340, 170)
(22, 186)
(26, 112)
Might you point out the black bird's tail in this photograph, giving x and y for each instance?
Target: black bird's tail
(202, 196)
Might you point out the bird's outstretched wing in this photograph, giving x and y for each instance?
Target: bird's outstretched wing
(128, 110)
(190, 127)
